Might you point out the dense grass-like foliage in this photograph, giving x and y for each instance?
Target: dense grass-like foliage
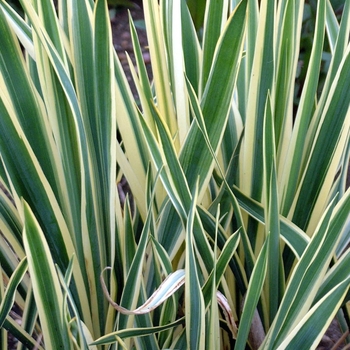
(208, 212)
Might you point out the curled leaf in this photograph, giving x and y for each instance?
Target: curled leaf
(222, 301)
(167, 288)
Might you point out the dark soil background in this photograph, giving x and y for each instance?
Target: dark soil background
(122, 38)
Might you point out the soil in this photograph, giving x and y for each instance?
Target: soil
(122, 37)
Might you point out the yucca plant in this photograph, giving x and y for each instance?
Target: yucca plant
(126, 221)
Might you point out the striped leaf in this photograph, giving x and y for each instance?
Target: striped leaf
(46, 286)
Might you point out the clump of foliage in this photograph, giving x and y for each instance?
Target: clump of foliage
(210, 214)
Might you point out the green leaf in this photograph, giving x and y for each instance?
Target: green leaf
(293, 235)
(272, 222)
(195, 309)
(326, 145)
(197, 9)
(227, 251)
(17, 331)
(310, 330)
(213, 338)
(308, 274)
(32, 117)
(252, 297)
(293, 160)
(288, 29)
(338, 273)
(161, 75)
(46, 285)
(21, 28)
(216, 100)
(168, 164)
(168, 287)
(83, 334)
(215, 15)
(260, 82)
(29, 180)
(190, 47)
(8, 298)
(135, 332)
(103, 125)
(133, 291)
